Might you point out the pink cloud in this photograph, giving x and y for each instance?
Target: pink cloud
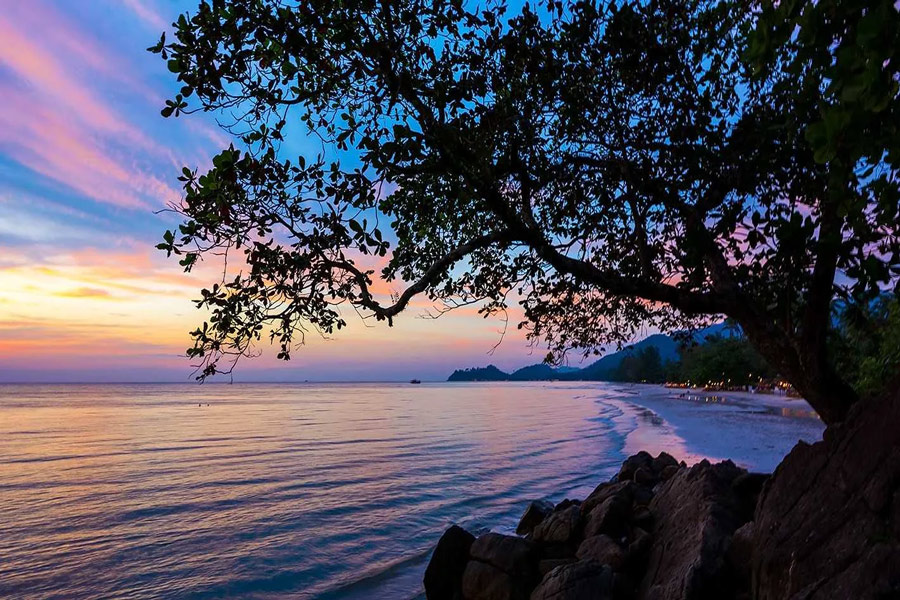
(34, 64)
(40, 138)
(148, 15)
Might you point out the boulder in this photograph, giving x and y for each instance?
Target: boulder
(625, 489)
(548, 564)
(695, 513)
(500, 567)
(642, 495)
(561, 527)
(602, 549)
(668, 472)
(443, 576)
(536, 512)
(740, 553)
(663, 461)
(631, 464)
(828, 521)
(566, 504)
(747, 488)
(645, 476)
(642, 517)
(583, 580)
(482, 581)
(514, 555)
(610, 517)
(636, 555)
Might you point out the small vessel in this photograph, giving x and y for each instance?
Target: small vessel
(415, 381)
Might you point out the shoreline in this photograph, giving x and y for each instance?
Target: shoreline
(755, 431)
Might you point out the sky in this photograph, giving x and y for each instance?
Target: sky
(87, 163)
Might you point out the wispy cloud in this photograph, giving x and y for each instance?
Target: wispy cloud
(147, 14)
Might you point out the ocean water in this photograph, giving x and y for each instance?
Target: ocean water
(332, 491)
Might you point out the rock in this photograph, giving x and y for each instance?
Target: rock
(747, 487)
(602, 549)
(501, 567)
(548, 564)
(663, 461)
(610, 517)
(583, 580)
(642, 495)
(443, 576)
(695, 514)
(740, 552)
(642, 517)
(828, 521)
(561, 527)
(514, 555)
(536, 512)
(482, 581)
(632, 464)
(668, 472)
(566, 504)
(644, 476)
(636, 555)
(606, 490)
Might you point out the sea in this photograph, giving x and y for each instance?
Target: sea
(327, 491)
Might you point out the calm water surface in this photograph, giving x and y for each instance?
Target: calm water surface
(263, 491)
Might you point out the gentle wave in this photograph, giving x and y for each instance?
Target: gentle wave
(299, 491)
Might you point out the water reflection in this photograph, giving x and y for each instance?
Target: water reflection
(272, 491)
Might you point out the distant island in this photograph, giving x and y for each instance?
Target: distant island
(719, 352)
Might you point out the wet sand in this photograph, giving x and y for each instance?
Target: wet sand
(753, 430)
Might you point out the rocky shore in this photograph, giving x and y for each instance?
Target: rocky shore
(825, 524)
(658, 529)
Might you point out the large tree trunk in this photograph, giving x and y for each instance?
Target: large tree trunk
(807, 369)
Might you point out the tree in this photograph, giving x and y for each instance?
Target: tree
(730, 359)
(644, 365)
(609, 167)
(865, 343)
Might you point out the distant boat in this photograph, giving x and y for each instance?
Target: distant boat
(414, 381)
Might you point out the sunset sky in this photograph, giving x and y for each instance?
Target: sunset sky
(85, 160)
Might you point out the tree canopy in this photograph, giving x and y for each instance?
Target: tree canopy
(607, 165)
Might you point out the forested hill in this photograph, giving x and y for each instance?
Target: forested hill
(606, 368)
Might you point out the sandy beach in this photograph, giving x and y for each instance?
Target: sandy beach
(753, 430)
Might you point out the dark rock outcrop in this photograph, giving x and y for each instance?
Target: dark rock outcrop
(561, 527)
(582, 580)
(747, 488)
(610, 517)
(825, 525)
(602, 492)
(602, 549)
(500, 567)
(828, 521)
(443, 576)
(740, 553)
(536, 512)
(695, 512)
(631, 465)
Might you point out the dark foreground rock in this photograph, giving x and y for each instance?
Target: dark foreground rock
(500, 567)
(696, 512)
(828, 521)
(595, 549)
(536, 512)
(443, 577)
(825, 525)
(582, 580)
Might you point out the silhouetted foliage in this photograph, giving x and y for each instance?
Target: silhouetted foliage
(609, 166)
(731, 359)
(865, 343)
(644, 365)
